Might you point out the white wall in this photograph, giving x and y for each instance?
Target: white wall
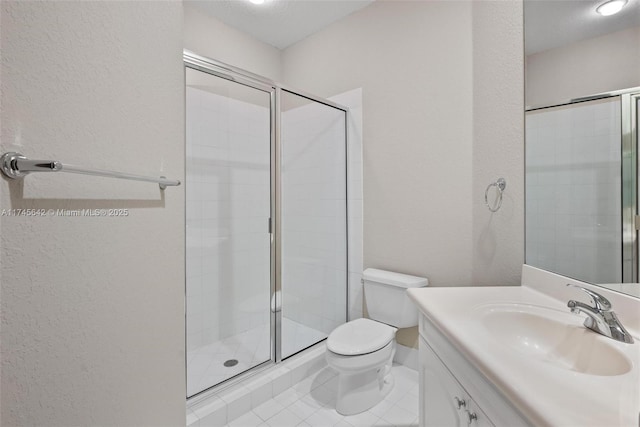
(498, 141)
(441, 121)
(417, 127)
(210, 37)
(93, 307)
(588, 67)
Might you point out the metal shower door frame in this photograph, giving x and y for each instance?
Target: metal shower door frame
(225, 71)
(631, 221)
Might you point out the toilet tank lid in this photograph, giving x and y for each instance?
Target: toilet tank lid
(394, 279)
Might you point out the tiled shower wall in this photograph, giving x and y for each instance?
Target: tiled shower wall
(573, 190)
(227, 210)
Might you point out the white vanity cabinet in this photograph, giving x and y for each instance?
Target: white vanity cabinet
(497, 347)
(453, 392)
(443, 401)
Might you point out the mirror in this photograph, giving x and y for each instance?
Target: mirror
(582, 96)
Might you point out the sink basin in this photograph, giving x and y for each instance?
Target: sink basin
(553, 337)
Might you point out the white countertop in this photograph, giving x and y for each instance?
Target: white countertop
(544, 393)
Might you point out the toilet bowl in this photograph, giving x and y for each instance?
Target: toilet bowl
(363, 365)
(362, 350)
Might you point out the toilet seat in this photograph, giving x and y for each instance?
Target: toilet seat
(360, 336)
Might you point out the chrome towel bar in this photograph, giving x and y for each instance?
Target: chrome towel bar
(16, 166)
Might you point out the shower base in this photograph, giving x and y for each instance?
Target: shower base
(206, 364)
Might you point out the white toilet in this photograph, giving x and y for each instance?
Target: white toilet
(362, 350)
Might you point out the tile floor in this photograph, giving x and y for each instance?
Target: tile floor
(312, 402)
(205, 365)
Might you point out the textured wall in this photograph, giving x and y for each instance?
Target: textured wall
(93, 307)
(498, 140)
(417, 127)
(591, 66)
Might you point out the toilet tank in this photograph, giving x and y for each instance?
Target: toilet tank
(385, 293)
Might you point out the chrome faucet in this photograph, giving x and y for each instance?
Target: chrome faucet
(600, 317)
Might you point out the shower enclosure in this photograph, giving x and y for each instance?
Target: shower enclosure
(266, 217)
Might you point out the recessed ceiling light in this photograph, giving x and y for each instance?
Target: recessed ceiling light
(257, 1)
(610, 8)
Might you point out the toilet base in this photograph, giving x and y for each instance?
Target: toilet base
(360, 390)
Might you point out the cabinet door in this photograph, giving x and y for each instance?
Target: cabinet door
(438, 393)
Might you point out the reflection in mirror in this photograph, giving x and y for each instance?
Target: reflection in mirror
(581, 149)
(574, 190)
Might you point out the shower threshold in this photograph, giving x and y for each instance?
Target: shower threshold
(217, 362)
(227, 401)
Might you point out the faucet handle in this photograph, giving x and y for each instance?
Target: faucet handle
(599, 302)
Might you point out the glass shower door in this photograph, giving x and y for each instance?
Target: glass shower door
(314, 221)
(228, 244)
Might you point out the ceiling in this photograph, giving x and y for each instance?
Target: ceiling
(279, 23)
(554, 23)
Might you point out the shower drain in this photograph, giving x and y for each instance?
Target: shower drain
(231, 362)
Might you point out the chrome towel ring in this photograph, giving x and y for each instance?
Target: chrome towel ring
(500, 185)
